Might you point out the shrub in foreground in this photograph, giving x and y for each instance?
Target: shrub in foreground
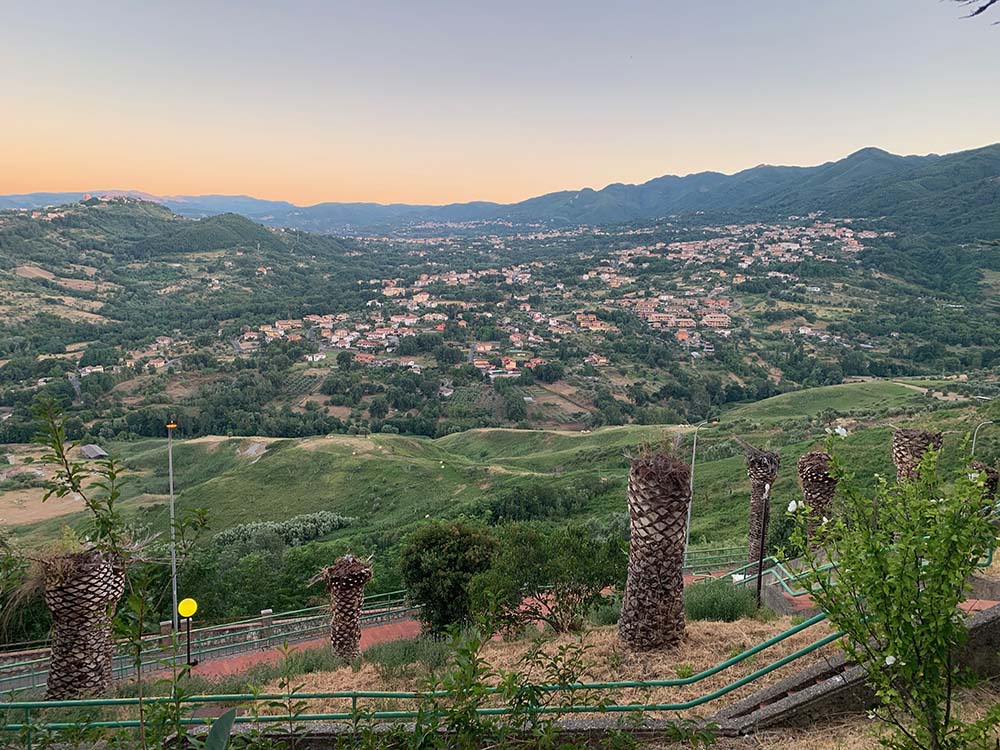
(718, 599)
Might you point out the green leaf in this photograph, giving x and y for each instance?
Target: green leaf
(219, 734)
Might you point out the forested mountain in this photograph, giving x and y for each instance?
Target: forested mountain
(955, 196)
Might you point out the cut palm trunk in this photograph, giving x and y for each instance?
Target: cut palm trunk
(908, 449)
(81, 591)
(659, 492)
(345, 584)
(818, 486)
(762, 468)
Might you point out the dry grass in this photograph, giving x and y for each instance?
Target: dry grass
(704, 645)
(856, 733)
(992, 572)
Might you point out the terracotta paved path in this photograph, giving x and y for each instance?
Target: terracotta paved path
(390, 631)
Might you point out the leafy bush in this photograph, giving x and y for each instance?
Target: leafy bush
(606, 613)
(539, 502)
(554, 577)
(718, 599)
(393, 657)
(438, 562)
(903, 553)
(293, 532)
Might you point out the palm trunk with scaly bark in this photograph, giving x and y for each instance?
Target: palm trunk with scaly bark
(818, 486)
(991, 480)
(659, 492)
(345, 584)
(81, 591)
(762, 468)
(908, 449)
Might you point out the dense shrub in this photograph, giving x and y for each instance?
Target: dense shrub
(718, 599)
(293, 532)
(555, 577)
(392, 658)
(606, 613)
(437, 562)
(542, 502)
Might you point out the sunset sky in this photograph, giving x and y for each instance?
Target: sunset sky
(433, 102)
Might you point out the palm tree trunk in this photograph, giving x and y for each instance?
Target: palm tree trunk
(81, 591)
(659, 492)
(345, 584)
(762, 468)
(991, 480)
(818, 486)
(908, 449)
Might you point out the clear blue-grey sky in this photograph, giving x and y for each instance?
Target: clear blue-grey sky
(446, 101)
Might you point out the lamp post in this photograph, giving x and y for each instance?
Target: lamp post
(171, 426)
(694, 451)
(975, 434)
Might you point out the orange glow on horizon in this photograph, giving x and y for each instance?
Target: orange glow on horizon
(397, 102)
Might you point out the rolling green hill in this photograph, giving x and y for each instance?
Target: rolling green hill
(391, 482)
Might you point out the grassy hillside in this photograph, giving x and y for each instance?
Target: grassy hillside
(861, 398)
(391, 483)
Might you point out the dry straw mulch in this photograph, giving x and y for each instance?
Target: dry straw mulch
(705, 644)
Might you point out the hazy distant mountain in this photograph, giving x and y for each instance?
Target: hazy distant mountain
(957, 195)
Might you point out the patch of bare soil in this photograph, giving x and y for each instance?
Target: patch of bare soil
(252, 449)
(935, 393)
(358, 445)
(33, 272)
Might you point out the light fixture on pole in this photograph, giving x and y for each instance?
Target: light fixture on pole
(975, 433)
(171, 426)
(694, 451)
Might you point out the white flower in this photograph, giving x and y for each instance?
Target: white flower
(890, 660)
(793, 506)
(825, 520)
(973, 476)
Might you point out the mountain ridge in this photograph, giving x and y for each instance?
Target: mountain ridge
(959, 193)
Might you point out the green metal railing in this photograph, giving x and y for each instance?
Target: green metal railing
(713, 559)
(24, 709)
(257, 635)
(696, 560)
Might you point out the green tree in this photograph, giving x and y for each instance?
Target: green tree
(438, 561)
(555, 577)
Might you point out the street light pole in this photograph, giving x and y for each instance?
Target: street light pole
(975, 434)
(171, 426)
(694, 451)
